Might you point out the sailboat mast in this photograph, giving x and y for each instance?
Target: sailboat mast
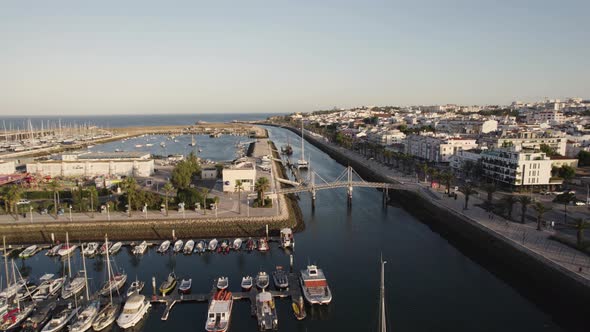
(14, 277)
(382, 316)
(69, 263)
(302, 145)
(85, 272)
(5, 261)
(106, 241)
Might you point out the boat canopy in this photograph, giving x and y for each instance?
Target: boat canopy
(286, 231)
(135, 301)
(46, 276)
(264, 297)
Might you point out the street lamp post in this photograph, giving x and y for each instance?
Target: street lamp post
(70, 207)
(31, 212)
(145, 209)
(108, 212)
(248, 206)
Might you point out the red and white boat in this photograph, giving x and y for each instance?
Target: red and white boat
(66, 249)
(314, 285)
(263, 244)
(219, 313)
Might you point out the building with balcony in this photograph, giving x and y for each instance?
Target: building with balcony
(518, 168)
(436, 148)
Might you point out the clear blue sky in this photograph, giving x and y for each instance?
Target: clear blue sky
(102, 57)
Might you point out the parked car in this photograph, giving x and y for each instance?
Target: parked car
(579, 203)
(23, 201)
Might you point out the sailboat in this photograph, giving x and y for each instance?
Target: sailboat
(108, 313)
(114, 281)
(84, 319)
(192, 143)
(382, 312)
(75, 285)
(302, 163)
(16, 314)
(11, 288)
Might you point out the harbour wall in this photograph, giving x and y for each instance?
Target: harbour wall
(557, 290)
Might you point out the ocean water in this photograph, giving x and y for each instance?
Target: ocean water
(114, 121)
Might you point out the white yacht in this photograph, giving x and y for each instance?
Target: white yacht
(133, 311)
(266, 312)
(66, 250)
(314, 286)
(188, 247)
(302, 163)
(48, 287)
(287, 238)
(59, 320)
(164, 247)
(140, 249)
(219, 313)
(178, 246)
(90, 249)
(74, 286)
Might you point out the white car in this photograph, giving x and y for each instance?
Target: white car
(23, 201)
(579, 203)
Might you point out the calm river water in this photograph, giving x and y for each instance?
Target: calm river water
(430, 285)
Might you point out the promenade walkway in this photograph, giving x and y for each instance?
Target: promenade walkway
(525, 236)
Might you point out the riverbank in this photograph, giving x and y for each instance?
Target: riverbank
(531, 273)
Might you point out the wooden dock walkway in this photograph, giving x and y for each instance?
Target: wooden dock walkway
(294, 292)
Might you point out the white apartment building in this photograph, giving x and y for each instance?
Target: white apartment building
(467, 126)
(545, 116)
(436, 148)
(532, 140)
(518, 168)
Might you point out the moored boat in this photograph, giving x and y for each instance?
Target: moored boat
(48, 287)
(314, 286)
(237, 245)
(73, 286)
(133, 311)
(105, 247)
(90, 249)
(178, 245)
(287, 240)
(39, 318)
(213, 245)
(140, 249)
(185, 285)
(60, 319)
(247, 282)
(106, 316)
(262, 244)
(280, 278)
(84, 319)
(115, 283)
(250, 244)
(222, 283)
(224, 247)
(188, 247)
(115, 248)
(66, 250)
(135, 287)
(299, 308)
(219, 312)
(262, 280)
(28, 252)
(164, 246)
(201, 247)
(54, 250)
(14, 317)
(266, 312)
(168, 285)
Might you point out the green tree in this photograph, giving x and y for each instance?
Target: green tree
(490, 189)
(239, 187)
(467, 190)
(580, 226)
(549, 151)
(261, 185)
(524, 202)
(565, 199)
(93, 197)
(13, 195)
(541, 209)
(168, 189)
(447, 177)
(508, 201)
(424, 168)
(205, 193)
(584, 158)
(182, 175)
(130, 186)
(54, 186)
(567, 172)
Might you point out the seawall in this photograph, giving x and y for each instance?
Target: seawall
(557, 290)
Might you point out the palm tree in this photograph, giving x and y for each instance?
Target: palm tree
(524, 202)
(92, 192)
(467, 190)
(168, 189)
(130, 186)
(424, 168)
(580, 225)
(541, 210)
(262, 185)
(565, 198)
(239, 187)
(509, 201)
(490, 189)
(55, 186)
(433, 173)
(13, 196)
(446, 177)
(205, 192)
